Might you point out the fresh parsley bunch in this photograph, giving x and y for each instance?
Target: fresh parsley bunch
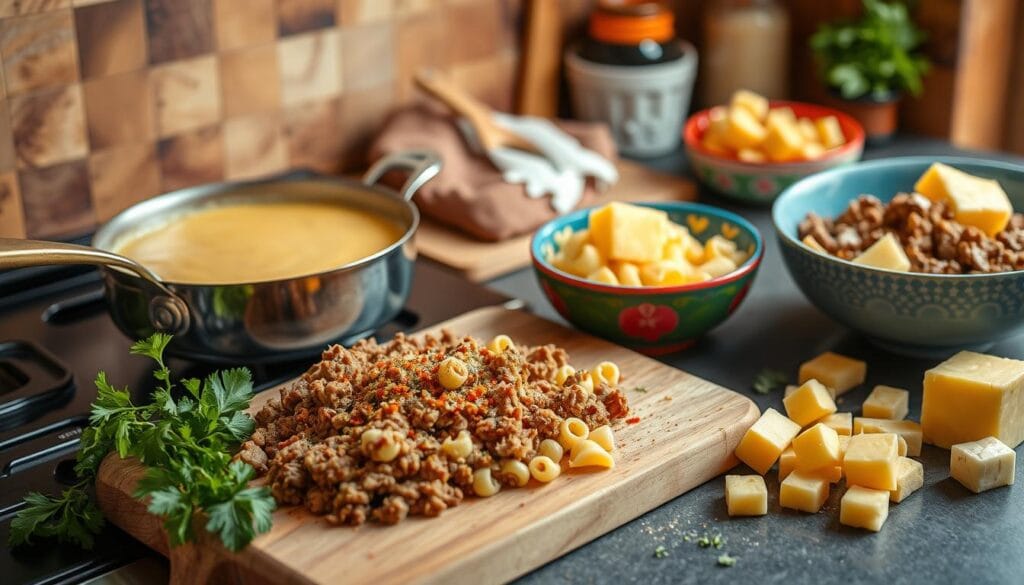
(186, 446)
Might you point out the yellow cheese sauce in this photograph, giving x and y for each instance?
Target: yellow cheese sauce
(256, 242)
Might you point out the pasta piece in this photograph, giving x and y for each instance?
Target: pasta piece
(588, 261)
(587, 381)
(592, 455)
(380, 445)
(563, 373)
(603, 275)
(668, 273)
(500, 343)
(674, 251)
(604, 437)
(562, 236)
(551, 449)
(606, 373)
(581, 446)
(460, 447)
(452, 373)
(718, 266)
(571, 431)
(484, 484)
(574, 243)
(517, 470)
(543, 469)
(628, 274)
(719, 246)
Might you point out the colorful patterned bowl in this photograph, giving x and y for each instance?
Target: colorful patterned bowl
(760, 183)
(653, 320)
(924, 315)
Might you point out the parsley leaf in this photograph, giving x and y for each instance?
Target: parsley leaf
(724, 560)
(769, 380)
(71, 518)
(660, 552)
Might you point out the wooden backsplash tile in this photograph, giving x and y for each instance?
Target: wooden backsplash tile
(186, 95)
(106, 102)
(111, 38)
(38, 51)
(240, 23)
(250, 80)
(119, 109)
(191, 158)
(122, 176)
(57, 200)
(49, 127)
(179, 29)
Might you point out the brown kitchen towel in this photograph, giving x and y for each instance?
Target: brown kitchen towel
(469, 193)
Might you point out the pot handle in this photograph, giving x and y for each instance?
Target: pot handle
(167, 312)
(422, 166)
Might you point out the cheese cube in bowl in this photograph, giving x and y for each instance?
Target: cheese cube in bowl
(707, 260)
(914, 313)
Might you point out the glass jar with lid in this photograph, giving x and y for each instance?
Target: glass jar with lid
(746, 46)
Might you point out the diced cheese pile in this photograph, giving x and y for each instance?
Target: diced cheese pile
(631, 245)
(752, 131)
(973, 403)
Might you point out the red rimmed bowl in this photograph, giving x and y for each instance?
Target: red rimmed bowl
(653, 320)
(761, 183)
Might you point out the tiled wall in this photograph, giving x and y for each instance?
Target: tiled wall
(106, 102)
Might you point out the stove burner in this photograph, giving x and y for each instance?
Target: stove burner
(31, 380)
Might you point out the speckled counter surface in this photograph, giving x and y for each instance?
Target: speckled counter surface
(941, 534)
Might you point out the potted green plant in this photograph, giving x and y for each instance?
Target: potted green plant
(868, 64)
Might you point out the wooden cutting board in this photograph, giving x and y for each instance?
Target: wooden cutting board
(686, 434)
(478, 260)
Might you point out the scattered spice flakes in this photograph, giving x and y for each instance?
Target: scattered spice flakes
(660, 552)
(640, 389)
(724, 560)
(667, 397)
(769, 380)
(633, 420)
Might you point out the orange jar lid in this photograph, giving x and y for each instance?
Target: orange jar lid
(628, 22)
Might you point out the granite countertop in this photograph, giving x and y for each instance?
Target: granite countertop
(941, 534)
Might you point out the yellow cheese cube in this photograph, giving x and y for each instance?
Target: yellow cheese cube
(830, 133)
(971, 396)
(831, 474)
(782, 114)
(907, 430)
(911, 478)
(808, 131)
(979, 202)
(816, 448)
(983, 464)
(791, 388)
(763, 442)
(812, 150)
(838, 372)
(715, 137)
(787, 462)
(901, 445)
(844, 444)
(813, 244)
(751, 155)
(746, 495)
(803, 491)
(603, 275)
(783, 141)
(810, 402)
(745, 131)
(886, 253)
(752, 102)
(840, 422)
(627, 273)
(863, 507)
(629, 232)
(887, 402)
(872, 461)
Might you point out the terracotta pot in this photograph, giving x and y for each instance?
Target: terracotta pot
(878, 116)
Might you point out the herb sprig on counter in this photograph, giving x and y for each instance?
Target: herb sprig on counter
(186, 446)
(768, 380)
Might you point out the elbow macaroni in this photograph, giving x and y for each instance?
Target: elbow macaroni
(500, 343)
(517, 470)
(551, 449)
(590, 454)
(604, 437)
(571, 431)
(460, 447)
(380, 445)
(484, 484)
(606, 373)
(563, 373)
(452, 373)
(544, 469)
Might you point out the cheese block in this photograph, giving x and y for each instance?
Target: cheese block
(844, 444)
(765, 440)
(803, 491)
(746, 495)
(715, 137)
(978, 202)
(787, 462)
(745, 131)
(808, 131)
(812, 150)
(808, 403)
(629, 232)
(872, 461)
(886, 253)
(751, 155)
(887, 402)
(971, 396)
(783, 141)
(783, 114)
(907, 430)
(755, 104)
(983, 464)
(830, 133)
(840, 422)
(816, 448)
(862, 507)
(910, 478)
(791, 388)
(838, 372)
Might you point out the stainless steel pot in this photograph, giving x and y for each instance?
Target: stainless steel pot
(254, 321)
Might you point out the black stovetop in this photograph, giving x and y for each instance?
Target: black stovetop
(54, 336)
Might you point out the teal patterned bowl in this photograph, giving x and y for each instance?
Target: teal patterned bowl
(924, 315)
(652, 320)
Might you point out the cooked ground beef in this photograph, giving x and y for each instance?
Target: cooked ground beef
(932, 239)
(310, 442)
